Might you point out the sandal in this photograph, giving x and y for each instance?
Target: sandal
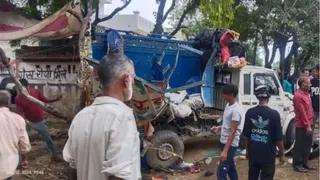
(309, 168)
(300, 169)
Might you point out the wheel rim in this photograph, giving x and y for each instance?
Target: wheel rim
(165, 151)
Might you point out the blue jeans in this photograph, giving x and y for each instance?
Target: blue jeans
(228, 168)
(42, 129)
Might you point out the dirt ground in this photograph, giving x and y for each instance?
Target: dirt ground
(196, 149)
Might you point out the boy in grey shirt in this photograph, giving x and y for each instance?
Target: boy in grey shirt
(230, 133)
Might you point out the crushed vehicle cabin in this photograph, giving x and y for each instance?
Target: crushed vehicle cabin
(178, 88)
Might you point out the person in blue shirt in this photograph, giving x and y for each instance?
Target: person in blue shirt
(287, 86)
(262, 133)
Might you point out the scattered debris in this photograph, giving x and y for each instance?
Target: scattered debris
(185, 165)
(208, 173)
(158, 178)
(194, 169)
(207, 160)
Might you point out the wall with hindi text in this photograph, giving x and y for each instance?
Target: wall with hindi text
(52, 78)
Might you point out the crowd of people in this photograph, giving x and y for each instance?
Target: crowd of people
(104, 144)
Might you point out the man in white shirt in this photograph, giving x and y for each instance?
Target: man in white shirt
(231, 129)
(103, 139)
(13, 138)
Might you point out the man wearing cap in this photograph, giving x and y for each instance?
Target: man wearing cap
(262, 134)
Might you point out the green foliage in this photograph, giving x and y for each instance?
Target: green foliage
(210, 14)
(250, 54)
(15, 43)
(217, 13)
(242, 22)
(55, 5)
(39, 9)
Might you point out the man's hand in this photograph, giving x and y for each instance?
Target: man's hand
(309, 131)
(147, 144)
(282, 159)
(28, 123)
(223, 156)
(24, 164)
(215, 129)
(24, 161)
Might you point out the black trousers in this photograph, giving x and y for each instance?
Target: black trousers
(265, 171)
(302, 147)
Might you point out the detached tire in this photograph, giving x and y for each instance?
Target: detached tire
(168, 141)
(290, 136)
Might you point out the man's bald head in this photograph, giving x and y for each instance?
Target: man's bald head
(113, 67)
(304, 83)
(116, 74)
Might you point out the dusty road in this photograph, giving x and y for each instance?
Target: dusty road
(41, 168)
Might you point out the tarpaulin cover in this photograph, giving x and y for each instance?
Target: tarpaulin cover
(14, 25)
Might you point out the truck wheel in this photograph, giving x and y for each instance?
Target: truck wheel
(290, 137)
(164, 142)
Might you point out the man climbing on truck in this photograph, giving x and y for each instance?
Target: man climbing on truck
(262, 133)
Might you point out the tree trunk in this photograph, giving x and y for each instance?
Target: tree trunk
(81, 43)
(273, 55)
(302, 59)
(192, 5)
(288, 60)
(255, 48)
(266, 49)
(98, 20)
(282, 51)
(158, 29)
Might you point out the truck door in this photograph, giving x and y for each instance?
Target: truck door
(276, 102)
(245, 90)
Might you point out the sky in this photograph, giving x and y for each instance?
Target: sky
(145, 7)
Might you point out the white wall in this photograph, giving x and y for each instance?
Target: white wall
(122, 22)
(41, 73)
(145, 25)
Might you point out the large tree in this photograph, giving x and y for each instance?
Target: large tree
(284, 23)
(180, 12)
(277, 24)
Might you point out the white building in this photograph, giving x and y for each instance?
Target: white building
(132, 22)
(129, 22)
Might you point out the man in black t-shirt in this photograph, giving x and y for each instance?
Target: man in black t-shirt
(315, 93)
(262, 133)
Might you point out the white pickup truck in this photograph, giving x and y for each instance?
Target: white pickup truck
(170, 134)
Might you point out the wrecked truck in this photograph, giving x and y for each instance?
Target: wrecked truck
(178, 89)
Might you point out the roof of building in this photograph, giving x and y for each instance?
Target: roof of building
(48, 53)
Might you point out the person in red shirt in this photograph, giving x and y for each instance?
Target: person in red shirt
(303, 123)
(33, 115)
